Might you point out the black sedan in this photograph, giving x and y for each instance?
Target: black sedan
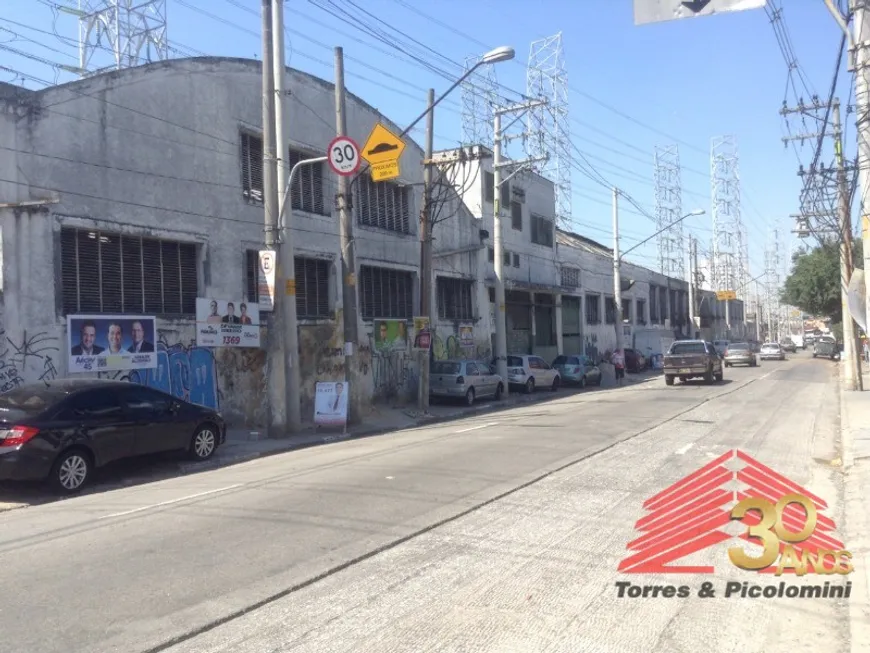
(62, 430)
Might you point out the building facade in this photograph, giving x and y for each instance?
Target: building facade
(137, 192)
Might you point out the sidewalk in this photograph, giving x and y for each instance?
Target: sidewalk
(855, 429)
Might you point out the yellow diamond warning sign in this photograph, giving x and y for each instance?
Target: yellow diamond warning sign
(382, 152)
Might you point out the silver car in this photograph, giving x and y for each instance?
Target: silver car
(464, 379)
(772, 351)
(739, 353)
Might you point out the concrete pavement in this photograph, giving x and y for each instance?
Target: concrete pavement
(855, 422)
(492, 533)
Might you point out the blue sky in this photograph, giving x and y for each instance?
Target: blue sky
(632, 88)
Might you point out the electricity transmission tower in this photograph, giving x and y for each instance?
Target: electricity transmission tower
(479, 97)
(729, 244)
(115, 34)
(669, 210)
(771, 274)
(547, 124)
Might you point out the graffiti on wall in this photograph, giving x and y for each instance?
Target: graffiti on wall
(29, 358)
(590, 346)
(453, 347)
(394, 373)
(187, 372)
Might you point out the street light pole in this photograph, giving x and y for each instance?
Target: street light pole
(617, 261)
(617, 276)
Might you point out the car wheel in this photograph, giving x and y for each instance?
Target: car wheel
(669, 380)
(556, 383)
(469, 397)
(582, 382)
(71, 471)
(498, 392)
(708, 377)
(719, 376)
(530, 386)
(203, 444)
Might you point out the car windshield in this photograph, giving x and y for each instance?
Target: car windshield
(770, 346)
(29, 400)
(737, 346)
(445, 367)
(679, 348)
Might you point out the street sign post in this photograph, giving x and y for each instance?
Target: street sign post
(382, 151)
(659, 11)
(344, 158)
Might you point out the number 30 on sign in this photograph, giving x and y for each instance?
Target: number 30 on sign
(344, 156)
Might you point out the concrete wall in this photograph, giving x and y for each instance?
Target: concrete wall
(155, 151)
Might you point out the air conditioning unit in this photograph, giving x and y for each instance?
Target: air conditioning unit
(518, 194)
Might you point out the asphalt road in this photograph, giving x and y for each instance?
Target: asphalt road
(494, 533)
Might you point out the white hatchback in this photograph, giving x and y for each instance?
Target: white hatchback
(772, 351)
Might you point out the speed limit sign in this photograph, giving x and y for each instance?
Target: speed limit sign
(344, 156)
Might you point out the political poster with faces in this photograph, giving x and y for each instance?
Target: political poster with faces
(227, 323)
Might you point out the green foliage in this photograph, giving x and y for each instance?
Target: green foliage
(814, 283)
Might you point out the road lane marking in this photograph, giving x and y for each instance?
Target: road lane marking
(682, 450)
(479, 426)
(171, 501)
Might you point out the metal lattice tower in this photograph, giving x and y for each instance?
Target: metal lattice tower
(115, 34)
(771, 273)
(479, 96)
(669, 210)
(549, 133)
(727, 225)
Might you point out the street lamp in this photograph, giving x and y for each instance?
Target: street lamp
(503, 53)
(617, 261)
(497, 55)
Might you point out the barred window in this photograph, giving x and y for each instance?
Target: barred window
(516, 260)
(593, 309)
(454, 299)
(386, 293)
(641, 311)
(312, 287)
(252, 167)
(609, 310)
(383, 204)
(312, 284)
(542, 231)
(570, 277)
(517, 216)
(307, 191)
(105, 272)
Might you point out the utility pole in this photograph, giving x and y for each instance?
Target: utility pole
(348, 262)
(285, 277)
(757, 313)
(498, 247)
(852, 371)
(693, 266)
(278, 417)
(839, 223)
(617, 277)
(426, 290)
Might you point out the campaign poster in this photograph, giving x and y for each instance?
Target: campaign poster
(106, 343)
(227, 323)
(330, 403)
(390, 335)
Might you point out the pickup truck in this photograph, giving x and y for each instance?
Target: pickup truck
(690, 359)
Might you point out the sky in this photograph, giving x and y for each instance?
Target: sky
(631, 88)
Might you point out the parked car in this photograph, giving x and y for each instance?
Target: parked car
(63, 430)
(826, 346)
(463, 379)
(578, 370)
(689, 359)
(532, 372)
(740, 353)
(634, 360)
(772, 351)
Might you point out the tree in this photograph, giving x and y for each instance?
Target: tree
(814, 283)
